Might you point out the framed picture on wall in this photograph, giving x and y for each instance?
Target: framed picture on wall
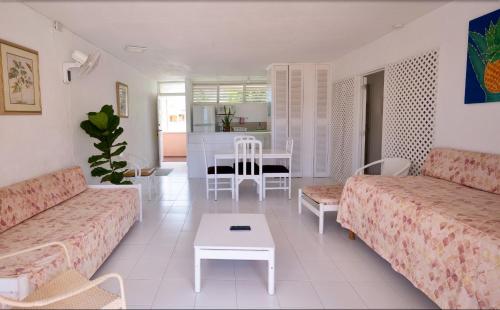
(122, 99)
(482, 79)
(19, 80)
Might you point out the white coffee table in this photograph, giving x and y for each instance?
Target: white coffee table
(214, 240)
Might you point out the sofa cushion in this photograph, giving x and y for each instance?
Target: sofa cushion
(473, 169)
(442, 236)
(90, 224)
(23, 200)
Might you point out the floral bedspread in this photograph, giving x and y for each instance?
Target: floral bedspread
(442, 236)
(91, 224)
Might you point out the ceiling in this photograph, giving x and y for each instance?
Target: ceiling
(216, 38)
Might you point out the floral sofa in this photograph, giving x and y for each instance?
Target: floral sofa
(60, 206)
(441, 230)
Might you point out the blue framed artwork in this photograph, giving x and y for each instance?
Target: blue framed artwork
(482, 78)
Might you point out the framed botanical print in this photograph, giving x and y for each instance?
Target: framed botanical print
(19, 80)
(122, 99)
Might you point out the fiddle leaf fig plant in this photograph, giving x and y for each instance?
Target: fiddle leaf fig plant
(104, 126)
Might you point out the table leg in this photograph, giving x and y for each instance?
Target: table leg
(197, 271)
(270, 274)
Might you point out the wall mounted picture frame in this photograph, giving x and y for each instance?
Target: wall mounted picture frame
(122, 102)
(482, 78)
(19, 80)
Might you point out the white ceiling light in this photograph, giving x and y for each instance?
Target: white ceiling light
(81, 60)
(397, 26)
(135, 48)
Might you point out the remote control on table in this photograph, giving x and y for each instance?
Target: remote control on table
(245, 227)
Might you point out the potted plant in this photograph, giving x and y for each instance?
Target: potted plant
(227, 119)
(104, 126)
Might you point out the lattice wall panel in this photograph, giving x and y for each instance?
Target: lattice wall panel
(342, 129)
(409, 108)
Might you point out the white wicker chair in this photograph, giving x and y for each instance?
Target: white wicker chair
(69, 289)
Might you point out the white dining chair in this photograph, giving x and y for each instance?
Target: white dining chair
(248, 164)
(223, 173)
(283, 174)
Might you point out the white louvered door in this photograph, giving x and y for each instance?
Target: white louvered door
(296, 103)
(279, 76)
(322, 121)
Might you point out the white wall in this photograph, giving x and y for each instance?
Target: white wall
(33, 145)
(471, 127)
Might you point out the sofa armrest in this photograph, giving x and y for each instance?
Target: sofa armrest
(111, 186)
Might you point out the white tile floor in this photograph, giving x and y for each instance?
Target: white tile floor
(312, 270)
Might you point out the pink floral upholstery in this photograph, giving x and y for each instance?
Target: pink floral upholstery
(21, 201)
(476, 170)
(442, 236)
(91, 224)
(325, 194)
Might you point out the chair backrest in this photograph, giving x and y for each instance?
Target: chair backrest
(245, 138)
(134, 162)
(289, 145)
(204, 154)
(395, 166)
(249, 152)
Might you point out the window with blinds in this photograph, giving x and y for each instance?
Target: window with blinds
(229, 93)
(205, 93)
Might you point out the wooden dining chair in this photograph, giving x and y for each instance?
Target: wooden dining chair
(248, 164)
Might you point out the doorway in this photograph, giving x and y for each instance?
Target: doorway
(374, 108)
(172, 136)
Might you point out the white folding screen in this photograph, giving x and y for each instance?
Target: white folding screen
(296, 100)
(279, 76)
(342, 129)
(409, 108)
(322, 121)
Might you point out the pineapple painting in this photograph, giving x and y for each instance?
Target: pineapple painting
(483, 61)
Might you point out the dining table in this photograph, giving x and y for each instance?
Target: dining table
(266, 154)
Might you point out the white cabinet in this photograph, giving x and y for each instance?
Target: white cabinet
(322, 111)
(301, 105)
(279, 121)
(296, 104)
